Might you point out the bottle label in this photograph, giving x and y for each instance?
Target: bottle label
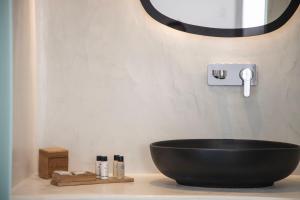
(121, 170)
(104, 170)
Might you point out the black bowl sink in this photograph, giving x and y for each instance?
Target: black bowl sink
(225, 162)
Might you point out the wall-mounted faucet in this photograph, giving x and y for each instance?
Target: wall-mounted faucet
(233, 74)
(246, 75)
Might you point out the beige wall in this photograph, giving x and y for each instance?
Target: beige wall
(24, 156)
(110, 80)
(113, 80)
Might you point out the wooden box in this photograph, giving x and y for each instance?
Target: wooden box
(51, 159)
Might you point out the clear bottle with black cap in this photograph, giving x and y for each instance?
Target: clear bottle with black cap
(121, 167)
(115, 165)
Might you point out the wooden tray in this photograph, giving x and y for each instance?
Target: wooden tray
(87, 176)
(97, 181)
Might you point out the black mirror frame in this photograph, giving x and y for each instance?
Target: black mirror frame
(219, 32)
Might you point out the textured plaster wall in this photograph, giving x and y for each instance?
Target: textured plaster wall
(113, 80)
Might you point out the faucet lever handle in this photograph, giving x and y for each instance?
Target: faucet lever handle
(246, 75)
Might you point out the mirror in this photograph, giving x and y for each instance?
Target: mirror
(227, 18)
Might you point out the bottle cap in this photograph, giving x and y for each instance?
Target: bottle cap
(98, 158)
(116, 157)
(104, 158)
(121, 158)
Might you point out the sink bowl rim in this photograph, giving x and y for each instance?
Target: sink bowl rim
(285, 145)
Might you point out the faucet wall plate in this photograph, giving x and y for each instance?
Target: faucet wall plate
(232, 72)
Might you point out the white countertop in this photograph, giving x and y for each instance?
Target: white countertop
(151, 186)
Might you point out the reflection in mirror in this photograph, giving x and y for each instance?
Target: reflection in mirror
(187, 15)
(223, 13)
